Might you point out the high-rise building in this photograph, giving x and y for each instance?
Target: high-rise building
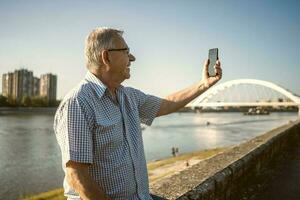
(36, 86)
(7, 84)
(22, 84)
(48, 84)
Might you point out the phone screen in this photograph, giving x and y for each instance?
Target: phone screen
(213, 57)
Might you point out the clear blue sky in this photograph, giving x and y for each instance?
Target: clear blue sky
(170, 39)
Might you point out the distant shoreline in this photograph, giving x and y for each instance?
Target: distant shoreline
(27, 110)
(52, 110)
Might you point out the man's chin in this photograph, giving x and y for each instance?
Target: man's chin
(127, 73)
(127, 76)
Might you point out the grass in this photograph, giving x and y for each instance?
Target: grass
(195, 155)
(57, 194)
(163, 168)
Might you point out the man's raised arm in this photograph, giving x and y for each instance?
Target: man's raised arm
(181, 98)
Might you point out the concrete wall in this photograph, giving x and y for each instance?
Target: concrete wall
(223, 175)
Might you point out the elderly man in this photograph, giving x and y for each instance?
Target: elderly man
(97, 124)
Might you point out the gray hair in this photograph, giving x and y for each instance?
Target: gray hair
(99, 39)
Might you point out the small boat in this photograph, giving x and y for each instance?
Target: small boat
(257, 111)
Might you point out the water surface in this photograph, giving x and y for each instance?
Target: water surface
(30, 160)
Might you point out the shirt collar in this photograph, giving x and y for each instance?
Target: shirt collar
(97, 84)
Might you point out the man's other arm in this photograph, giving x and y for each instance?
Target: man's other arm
(181, 98)
(79, 179)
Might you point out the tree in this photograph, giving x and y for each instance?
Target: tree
(54, 103)
(26, 101)
(11, 101)
(3, 101)
(39, 101)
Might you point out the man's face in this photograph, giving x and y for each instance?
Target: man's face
(120, 60)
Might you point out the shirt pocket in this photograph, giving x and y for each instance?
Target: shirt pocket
(108, 136)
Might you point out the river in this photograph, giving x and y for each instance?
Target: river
(30, 160)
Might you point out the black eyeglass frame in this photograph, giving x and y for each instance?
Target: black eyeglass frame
(123, 49)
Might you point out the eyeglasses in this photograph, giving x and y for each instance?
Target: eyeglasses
(123, 49)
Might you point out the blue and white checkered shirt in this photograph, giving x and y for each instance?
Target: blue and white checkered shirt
(92, 128)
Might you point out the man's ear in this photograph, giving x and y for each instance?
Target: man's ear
(105, 57)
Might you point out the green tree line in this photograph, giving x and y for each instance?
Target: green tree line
(27, 101)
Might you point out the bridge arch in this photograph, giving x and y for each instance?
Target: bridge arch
(227, 84)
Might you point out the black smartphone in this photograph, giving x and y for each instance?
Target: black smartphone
(213, 57)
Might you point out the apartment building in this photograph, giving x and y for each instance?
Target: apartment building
(48, 84)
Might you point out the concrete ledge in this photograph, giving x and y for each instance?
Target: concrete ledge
(221, 176)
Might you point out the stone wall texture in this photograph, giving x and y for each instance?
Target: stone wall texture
(221, 176)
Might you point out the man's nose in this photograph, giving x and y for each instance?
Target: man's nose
(131, 58)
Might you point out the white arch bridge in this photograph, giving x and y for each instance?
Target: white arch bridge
(246, 92)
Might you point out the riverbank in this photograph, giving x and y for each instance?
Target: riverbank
(157, 170)
(30, 140)
(27, 110)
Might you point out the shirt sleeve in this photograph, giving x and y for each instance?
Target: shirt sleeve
(148, 106)
(73, 133)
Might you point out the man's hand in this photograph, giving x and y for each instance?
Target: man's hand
(179, 99)
(211, 80)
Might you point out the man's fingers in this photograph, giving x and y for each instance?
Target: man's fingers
(217, 65)
(218, 71)
(206, 64)
(205, 69)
